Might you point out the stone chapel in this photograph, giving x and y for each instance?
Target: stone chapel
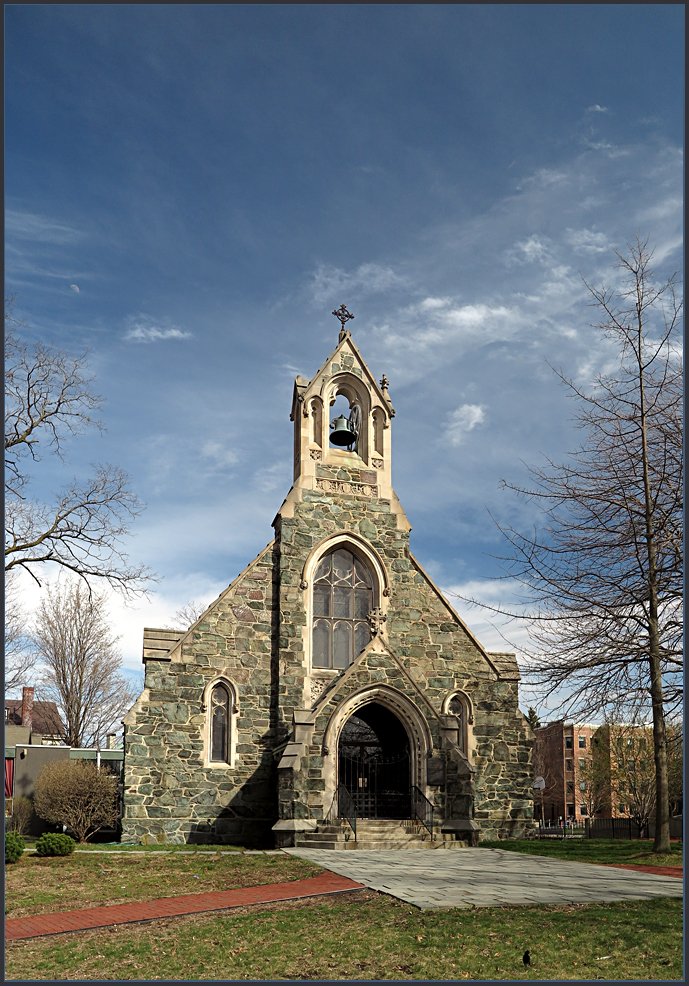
(331, 683)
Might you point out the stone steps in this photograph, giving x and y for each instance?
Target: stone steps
(373, 834)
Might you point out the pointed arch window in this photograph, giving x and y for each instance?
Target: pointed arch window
(220, 719)
(342, 601)
(458, 706)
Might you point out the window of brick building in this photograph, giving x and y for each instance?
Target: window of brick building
(582, 742)
(583, 810)
(569, 742)
(623, 809)
(569, 765)
(582, 763)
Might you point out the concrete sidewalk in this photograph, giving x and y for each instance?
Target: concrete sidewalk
(489, 877)
(101, 917)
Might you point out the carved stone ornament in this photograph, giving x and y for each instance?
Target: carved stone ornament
(376, 619)
(318, 686)
(338, 486)
(386, 591)
(377, 463)
(316, 453)
(303, 584)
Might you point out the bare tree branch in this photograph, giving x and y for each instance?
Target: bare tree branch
(80, 664)
(602, 579)
(20, 659)
(48, 397)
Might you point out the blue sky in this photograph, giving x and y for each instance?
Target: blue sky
(190, 190)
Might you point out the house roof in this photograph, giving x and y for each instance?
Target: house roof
(46, 718)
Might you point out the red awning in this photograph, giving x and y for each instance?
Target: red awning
(9, 776)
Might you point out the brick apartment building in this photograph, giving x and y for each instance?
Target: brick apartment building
(559, 754)
(564, 754)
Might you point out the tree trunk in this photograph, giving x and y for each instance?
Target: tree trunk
(661, 842)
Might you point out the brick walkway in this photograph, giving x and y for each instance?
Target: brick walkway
(100, 917)
(677, 871)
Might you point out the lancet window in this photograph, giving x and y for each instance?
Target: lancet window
(220, 721)
(342, 601)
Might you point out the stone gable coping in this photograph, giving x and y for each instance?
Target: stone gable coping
(417, 565)
(176, 651)
(303, 385)
(374, 646)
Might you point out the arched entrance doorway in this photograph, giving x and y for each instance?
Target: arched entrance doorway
(374, 763)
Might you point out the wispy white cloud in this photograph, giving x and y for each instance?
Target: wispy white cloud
(144, 329)
(41, 229)
(219, 454)
(462, 421)
(587, 241)
(328, 283)
(596, 108)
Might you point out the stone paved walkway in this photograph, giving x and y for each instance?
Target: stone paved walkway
(489, 877)
(100, 917)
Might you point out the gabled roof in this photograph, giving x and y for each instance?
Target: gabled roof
(46, 718)
(301, 385)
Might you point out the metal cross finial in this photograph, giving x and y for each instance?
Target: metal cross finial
(344, 316)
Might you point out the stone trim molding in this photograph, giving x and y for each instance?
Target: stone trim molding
(413, 720)
(222, 679)
(358, 545)
(340, 486)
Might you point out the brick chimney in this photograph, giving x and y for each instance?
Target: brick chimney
(110, 741)
(27, 707)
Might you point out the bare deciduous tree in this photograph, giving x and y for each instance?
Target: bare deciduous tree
(20, 659)
(48, 397)
(80, 663)
(77, 794)
(188, 614)
(603, 580)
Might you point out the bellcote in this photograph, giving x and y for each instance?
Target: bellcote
(344, 373)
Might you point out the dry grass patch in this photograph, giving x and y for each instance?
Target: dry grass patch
(41, 886)
(364, 935)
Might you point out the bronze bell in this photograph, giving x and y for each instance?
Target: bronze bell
(342, 431)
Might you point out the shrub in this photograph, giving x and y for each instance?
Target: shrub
(20, 819)
(76, 794)
(54, 844)
(14, 847)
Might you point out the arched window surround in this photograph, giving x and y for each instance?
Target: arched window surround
(360, 548)
(234, 715)
(356, 392)
(467, 720)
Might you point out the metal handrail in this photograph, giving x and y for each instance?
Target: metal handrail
(422, 809)
(346, 807)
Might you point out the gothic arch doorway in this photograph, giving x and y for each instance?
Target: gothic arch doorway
(374, 762)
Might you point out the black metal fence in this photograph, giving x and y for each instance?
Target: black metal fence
(604, 828)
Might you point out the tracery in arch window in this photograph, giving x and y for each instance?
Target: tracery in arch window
(342, 600)
(220, 708)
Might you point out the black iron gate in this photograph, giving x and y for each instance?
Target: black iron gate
(379, 786)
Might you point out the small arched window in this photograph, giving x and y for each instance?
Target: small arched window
(457, 706)
(342, 601)
(221, 707)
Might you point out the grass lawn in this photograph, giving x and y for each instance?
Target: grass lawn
(38, 886)
(626, 851)
(370, 936)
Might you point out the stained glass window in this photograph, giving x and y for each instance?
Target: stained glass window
(342, 600)
(220, 724)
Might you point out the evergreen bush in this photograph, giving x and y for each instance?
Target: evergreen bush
(14, 847)
(55, 844)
